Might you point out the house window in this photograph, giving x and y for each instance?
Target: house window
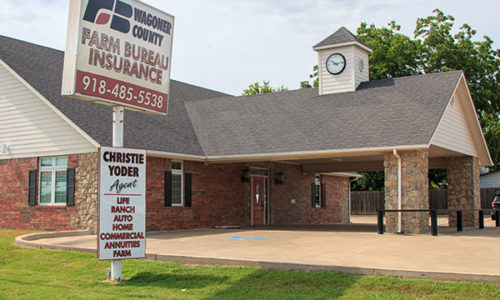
(317, 191)
(177, 183)
(53, 180)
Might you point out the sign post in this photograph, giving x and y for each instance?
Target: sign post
(118, 53)
(118, 114)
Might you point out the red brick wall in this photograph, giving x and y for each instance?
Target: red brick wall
(218, 196)
(16, 214)
(298, 186)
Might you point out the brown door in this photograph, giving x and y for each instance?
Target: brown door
(258, 200)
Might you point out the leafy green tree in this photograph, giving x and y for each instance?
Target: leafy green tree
(444, 51)
(371, 181)
(491, 129)
(394, 54)
(315, 78)
(256, 88)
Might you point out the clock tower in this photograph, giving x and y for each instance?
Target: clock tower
(342, 61)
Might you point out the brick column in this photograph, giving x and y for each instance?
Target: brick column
(463, 188)
(415, 190)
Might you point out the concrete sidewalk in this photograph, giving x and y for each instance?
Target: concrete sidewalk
(450, 256)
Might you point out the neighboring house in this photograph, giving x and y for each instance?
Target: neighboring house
(215, 156)
(490, 180)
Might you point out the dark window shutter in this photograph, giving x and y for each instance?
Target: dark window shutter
(187, 190)
(323, 195)
(168, 188)
(313, 201)
(32, 188)
(70, 187)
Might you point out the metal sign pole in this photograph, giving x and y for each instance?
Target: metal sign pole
(118, 110)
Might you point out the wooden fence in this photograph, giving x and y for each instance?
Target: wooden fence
(367, 203)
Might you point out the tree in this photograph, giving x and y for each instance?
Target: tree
(444, 51)
(371, 181)
(255, 88)
(394, 54)
(491, 129)
(314, 76)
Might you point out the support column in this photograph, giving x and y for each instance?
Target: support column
(415, 190)
(463, 189)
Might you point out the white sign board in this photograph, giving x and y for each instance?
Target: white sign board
(122, 203)
(118, 52)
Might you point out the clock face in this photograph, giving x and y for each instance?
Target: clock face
(361, 65)
(335, 63)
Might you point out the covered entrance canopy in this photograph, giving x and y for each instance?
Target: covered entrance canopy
(413, 123)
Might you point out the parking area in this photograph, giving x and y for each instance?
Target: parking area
(450, 256)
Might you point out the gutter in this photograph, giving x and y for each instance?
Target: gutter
(395, 152)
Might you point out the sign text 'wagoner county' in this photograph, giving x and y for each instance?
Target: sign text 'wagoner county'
(118, 52)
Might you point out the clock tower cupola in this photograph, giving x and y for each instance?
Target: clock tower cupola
(342, 61)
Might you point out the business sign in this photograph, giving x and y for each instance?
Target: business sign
(122, 203)
(118, 52)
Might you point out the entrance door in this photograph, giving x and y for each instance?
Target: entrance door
(258, 200)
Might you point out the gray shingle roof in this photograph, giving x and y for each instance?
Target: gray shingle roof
(392, 112)
(382, 113)
(342, 35)
(42, 68)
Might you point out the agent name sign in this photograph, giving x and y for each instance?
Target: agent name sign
(118, 52)
(122, 203)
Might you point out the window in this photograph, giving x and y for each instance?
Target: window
(177, 186)
(177, 183)
(317, 191)
(53, 180)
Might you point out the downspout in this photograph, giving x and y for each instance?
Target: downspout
(399, 188)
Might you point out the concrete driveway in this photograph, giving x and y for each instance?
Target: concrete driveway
(450, 256)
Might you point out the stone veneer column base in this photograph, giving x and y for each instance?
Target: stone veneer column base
(86, 192)
(415, 190)
(463, 189)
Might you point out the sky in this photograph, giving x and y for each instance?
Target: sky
(225, 45)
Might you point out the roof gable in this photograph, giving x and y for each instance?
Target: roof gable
(459, 128)
(31, 126)
(42, 68)
(341, 36)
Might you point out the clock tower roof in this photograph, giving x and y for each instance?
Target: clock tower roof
(341, 37)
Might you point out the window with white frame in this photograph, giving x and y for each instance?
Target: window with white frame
(53, 180)
(177, 183)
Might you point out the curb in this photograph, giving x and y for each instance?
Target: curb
(29, 241)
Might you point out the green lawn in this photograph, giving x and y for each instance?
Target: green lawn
(44, 274)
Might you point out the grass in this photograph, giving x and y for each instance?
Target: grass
(45, 274)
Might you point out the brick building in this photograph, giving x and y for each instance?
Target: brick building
(216, 159)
